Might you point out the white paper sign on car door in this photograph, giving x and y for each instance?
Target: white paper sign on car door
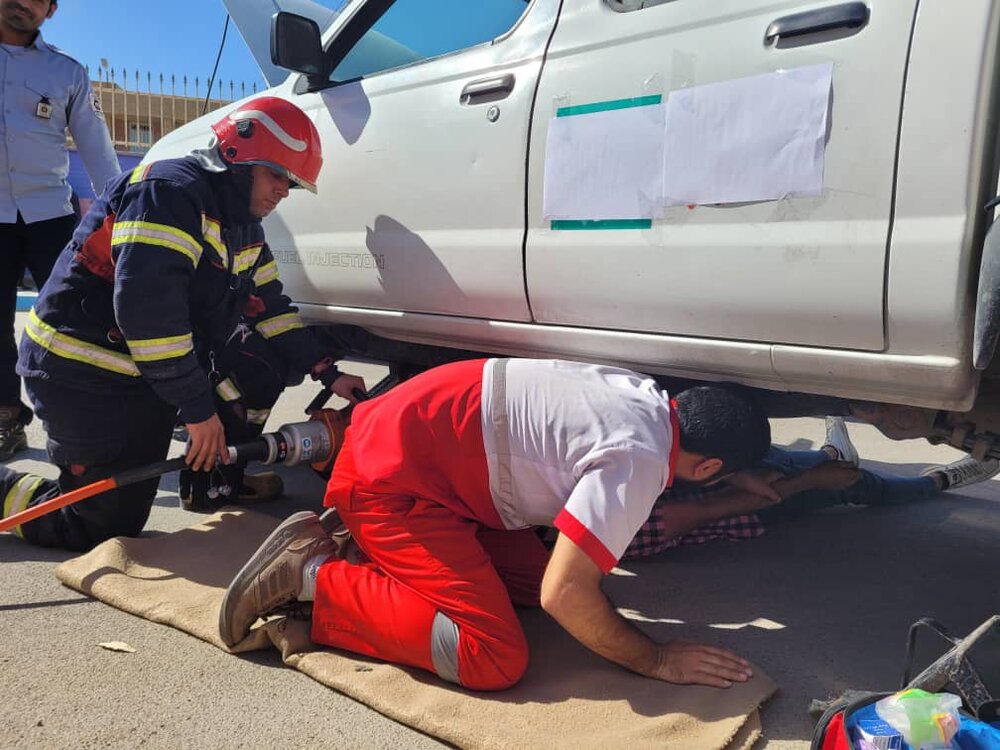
(605, 164)
(752, 139)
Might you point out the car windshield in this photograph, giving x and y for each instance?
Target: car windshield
(336, 6)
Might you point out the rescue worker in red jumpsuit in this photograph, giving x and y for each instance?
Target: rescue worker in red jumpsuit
(166, 305)
(441, 483)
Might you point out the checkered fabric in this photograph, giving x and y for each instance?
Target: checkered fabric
(651, 538)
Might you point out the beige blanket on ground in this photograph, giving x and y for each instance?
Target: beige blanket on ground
(179, 580)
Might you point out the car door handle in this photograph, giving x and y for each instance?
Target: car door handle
(845, 16)
(488, 89)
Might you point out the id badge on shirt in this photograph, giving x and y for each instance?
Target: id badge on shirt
(44, 108)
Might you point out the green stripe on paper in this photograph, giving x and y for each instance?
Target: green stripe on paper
(569, 225)
(586, 109)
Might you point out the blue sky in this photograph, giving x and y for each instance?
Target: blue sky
(156, 36)
(182, 36)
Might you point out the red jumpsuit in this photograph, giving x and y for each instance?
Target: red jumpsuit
(411, 484)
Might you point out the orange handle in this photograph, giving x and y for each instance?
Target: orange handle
(56, 503)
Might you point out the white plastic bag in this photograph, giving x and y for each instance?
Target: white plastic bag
(927, 721)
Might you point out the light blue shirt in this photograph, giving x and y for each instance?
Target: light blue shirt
(34, 161)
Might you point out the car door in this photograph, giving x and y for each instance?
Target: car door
(797, 270)
(425, 128)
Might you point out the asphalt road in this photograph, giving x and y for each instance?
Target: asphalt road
(842, 587)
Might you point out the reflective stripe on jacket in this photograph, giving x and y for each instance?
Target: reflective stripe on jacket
(158, 274)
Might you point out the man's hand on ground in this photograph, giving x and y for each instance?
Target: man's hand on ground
(346, 384)
(688, 663)
(571, 594)
(207, 440)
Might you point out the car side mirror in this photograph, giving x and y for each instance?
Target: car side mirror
(296, 44)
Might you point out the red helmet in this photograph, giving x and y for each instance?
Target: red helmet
(275, 133)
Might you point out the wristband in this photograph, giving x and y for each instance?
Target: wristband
(328, 374)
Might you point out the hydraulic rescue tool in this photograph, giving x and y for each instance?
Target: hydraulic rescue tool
(315, 442)
(312, 442)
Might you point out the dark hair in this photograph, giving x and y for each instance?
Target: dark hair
(717, 422)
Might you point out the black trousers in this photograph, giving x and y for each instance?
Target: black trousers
(35, 247)
(92, 437)
(104, 434)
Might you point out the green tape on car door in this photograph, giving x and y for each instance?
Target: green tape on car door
(563, 225)
(586, 109)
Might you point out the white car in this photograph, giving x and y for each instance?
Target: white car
(431, 232)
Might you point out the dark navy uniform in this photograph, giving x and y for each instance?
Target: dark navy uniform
(166, 301)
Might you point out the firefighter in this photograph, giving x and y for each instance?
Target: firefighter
(165, 306)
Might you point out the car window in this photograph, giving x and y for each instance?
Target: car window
(414, 30)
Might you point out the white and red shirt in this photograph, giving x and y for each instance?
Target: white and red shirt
(512, 443)
(584, 448)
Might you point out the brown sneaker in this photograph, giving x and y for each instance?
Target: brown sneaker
(260, 488)
(272, 577)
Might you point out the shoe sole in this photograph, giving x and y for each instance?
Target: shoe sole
(264, 556)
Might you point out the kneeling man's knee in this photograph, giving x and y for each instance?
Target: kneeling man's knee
(477, 661)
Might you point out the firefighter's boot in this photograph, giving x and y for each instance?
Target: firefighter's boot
(260, 488)
(12, 437)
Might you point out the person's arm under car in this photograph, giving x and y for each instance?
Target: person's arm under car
(572, 595)
(683, 512)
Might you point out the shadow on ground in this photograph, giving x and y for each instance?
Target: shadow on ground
(844, 585)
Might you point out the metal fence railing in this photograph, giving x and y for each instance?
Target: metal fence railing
(142, 108)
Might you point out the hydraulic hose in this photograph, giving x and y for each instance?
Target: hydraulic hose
(303, 442)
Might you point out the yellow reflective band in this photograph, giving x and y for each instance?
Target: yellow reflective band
(246, 257)
(140, 173)
(18, 497)
(155, 350)
(266, 274)
(279, 325)
(258, 416)
(211, 230)
(68, 347)
(227, 390)
(161, 235)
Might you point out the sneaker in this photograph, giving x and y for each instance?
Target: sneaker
(839, 439)
(260, 488)
(12, 438)
(965, 471)
(272, 578)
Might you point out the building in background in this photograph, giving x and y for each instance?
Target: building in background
(141, 108)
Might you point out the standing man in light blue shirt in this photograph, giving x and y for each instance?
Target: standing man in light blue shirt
(43, 92)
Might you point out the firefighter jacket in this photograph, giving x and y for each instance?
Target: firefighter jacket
(157, 277)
